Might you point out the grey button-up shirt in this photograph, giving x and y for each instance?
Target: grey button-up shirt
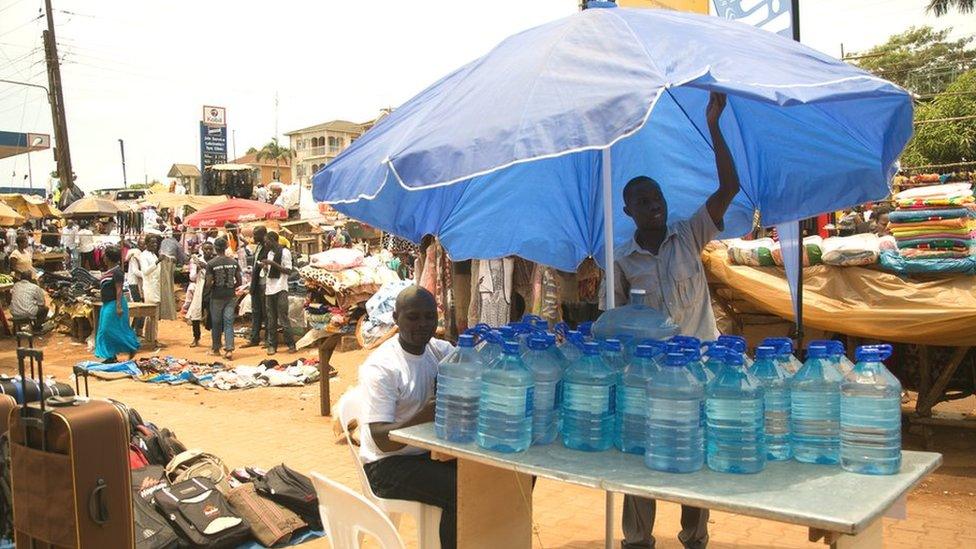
(674, 278)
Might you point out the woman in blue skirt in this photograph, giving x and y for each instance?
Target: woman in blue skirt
(114, 334)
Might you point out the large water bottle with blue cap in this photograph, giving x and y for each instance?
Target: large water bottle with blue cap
(736, 440)
(784, 353)
(836, 355)
(737, 344)
(870, 415)
(613, 355)
(505, 409)
(547, 375)
(714, 358)
(589, 402)
(815, 409)
(491, 347)
(571, 346)
(634, 322)
(458, 393)
(775, 380)
(674, 431)
(691, 346)
(632, 400)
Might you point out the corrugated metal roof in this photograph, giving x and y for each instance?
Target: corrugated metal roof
(334, 125)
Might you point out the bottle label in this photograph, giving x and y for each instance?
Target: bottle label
(558, 400)
(594, 399)
(529, 404)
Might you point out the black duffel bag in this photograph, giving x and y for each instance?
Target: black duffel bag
(29, 391)
(292, 490)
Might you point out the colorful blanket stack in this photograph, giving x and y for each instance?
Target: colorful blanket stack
(935, 222)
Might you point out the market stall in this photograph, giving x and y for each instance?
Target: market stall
(30, 206)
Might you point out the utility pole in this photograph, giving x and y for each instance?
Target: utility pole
(125, 182)
(62, 153)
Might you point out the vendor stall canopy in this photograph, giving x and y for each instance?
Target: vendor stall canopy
(235, 210)
(30, 206)
(504, 155)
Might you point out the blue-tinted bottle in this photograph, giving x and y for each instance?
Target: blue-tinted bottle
(776, 390)
(815, 409)
(589, 402)
(835, 356)
(737, 344)
(571, 346)
(632, 401)
(613, 355)
(784, 353)
(491, 347)
(870, 415)
(674, 433)
(696, 365)
(547, 374)
(715, 359)
(734, 405)
(458, 393)
(505, 409)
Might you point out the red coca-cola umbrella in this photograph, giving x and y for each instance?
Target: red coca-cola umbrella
(235, 210)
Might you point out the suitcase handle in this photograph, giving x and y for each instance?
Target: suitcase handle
(97, 509)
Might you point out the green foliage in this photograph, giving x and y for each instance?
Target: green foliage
(942, 7)
(945, 142)
(251, 150)
(921, 59)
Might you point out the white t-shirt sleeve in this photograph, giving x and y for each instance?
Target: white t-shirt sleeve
(382, 388)
(440, 348)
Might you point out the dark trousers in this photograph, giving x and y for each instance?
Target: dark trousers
(137, 323)
(88, 260)
(277, 313)
(419, 478)
(196, 330)
(41, 318)
(638, 524)
(258, 315)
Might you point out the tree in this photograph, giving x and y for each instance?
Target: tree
(273, 151)
(941, 141)
(921, 59)
(251, 150)
(942, 7)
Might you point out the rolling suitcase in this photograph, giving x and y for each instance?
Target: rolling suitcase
(7, 405)
(70, 472)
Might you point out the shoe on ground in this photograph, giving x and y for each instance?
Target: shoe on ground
(271, 351)
(250, 344)
(292, 349)
(195, 343)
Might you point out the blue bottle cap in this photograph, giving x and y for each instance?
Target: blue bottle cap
(765, 351)
(591, 348)
(585, 328)
(645, 351)
(511, 348)
(717, 351)
(507, 332)
(612, 345)
(465, 340)
(817, 351)
(867, 354)
(734, 358)
(783, 345)
(540, 324)
(538, 343)
(676, 359)
(736, 343)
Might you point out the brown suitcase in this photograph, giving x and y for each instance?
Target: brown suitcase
(70, 472)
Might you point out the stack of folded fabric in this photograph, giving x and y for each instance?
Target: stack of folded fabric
(935, 222)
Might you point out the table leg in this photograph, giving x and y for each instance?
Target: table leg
(871, 537)
(326, 347)
(608, 526)
(494, 507)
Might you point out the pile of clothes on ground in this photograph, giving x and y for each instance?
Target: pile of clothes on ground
(340, 281)
(934, 229)
(216, 375)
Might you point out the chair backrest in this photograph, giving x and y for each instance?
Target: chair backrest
(349, 408)
(346, 515)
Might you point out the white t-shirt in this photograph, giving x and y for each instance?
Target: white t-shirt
(280, 284)
(69, 237)
(396, 385)
(86, 241)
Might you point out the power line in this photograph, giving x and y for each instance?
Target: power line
(18, 27)
(12, 4)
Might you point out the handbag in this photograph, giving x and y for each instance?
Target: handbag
(270, 523)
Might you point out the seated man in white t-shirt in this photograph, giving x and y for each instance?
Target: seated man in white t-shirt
(398, 380)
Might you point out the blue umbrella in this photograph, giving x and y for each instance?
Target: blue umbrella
(511, 153)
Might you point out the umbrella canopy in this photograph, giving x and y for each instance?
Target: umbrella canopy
(173, 200)
(9, 216)
(91, 206)
(504, 155)
(235, 210)
(30, 206)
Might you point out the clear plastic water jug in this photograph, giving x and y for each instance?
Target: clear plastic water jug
(613, 355)
(634, 322)
(589, 402)
(674, 432)
(776, 390)
(714, 358)
(632, 400)
(547, 374)
(815, 409)
(737, 344)
(458, 393)
(505, 409)
(870, 415)
(784, 353)
(734, 407)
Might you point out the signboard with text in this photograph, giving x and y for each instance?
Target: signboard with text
(772, 15)
(213, 145)
(214, 116)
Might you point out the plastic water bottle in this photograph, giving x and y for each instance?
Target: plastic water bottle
(571, 346)
(815, 409)
(491, 349)
(634, 322)
(547, 374)
(737, 344)
(613, 355)
(715, 359)
(695, 364)
(836, 355)
(674, 433)
(505, 410)
(589, 402)
(734, 408)
(784, 353)
(870, 415)
(458, 391)
(632, 401)
(776, 394)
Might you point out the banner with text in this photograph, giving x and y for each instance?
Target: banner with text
(771, 15)
(693, 6)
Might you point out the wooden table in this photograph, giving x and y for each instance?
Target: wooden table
(494, 490)
(136, 310)
(54, 259)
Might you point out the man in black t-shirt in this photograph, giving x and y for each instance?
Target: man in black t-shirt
(223, 278)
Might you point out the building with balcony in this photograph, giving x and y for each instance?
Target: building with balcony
(316, 146)
(267, 170)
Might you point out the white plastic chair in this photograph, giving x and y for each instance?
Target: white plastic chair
(426, 517)
(347, 515)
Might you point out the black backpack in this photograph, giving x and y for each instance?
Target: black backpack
(201, 515)
(292, 490)
(151, 529)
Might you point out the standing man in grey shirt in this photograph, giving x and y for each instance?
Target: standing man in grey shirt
(665, 261)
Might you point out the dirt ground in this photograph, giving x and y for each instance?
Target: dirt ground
(267, 426)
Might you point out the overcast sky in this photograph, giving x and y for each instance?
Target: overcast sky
(142, 71)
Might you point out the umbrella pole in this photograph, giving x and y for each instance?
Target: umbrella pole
(609, 276)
